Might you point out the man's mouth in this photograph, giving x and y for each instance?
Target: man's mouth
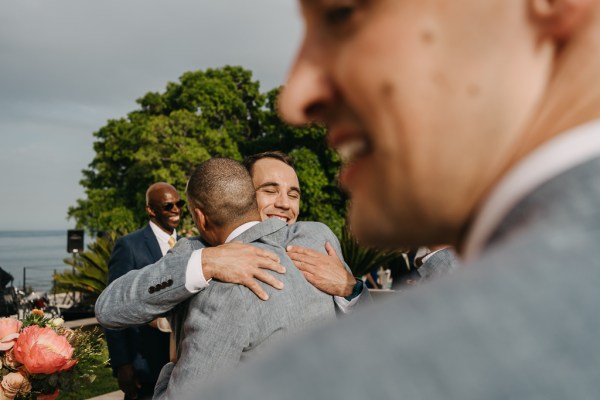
(352, 146)
(174, 218)
(350, 143)
(279, 217)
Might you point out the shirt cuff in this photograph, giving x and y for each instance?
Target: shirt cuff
(194, 277)
(344, 304)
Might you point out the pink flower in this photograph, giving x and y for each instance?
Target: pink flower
(9, 331)
(50, 396)
(43, 351)
(12, 384)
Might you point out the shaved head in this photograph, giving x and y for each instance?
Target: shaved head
(163, 205)
(155, 191)
(222, 188)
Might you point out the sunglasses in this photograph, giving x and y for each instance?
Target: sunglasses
(169, 206)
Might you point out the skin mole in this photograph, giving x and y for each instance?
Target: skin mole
(427, 36)
(387, 89)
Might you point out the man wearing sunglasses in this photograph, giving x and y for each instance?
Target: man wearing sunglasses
(138, 354)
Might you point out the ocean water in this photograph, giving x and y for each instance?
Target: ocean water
(40, 253)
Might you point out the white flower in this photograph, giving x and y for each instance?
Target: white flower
(57, 322)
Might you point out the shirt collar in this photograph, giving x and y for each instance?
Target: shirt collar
(240, 229)
(161, 235)
(560, 154)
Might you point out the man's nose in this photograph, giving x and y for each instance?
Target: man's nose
(308, 91)
(282, 201)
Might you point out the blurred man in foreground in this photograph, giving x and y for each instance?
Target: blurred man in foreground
(500, 96)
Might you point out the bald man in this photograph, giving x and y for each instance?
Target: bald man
(138, 354)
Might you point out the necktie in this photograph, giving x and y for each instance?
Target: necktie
(171, 242)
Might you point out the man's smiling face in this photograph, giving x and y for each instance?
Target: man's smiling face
(425, 100)
(277, 190)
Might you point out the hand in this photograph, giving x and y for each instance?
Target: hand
(326, 272)
(128, 382)
(242, 263)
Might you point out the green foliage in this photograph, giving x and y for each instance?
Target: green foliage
(90, 269)
(362, 260)
(217, 112)
(89, 353)
(103, 383)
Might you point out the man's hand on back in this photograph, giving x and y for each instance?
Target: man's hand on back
(324, 271)
(244, 264)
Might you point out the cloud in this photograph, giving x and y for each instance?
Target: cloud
(69, 65)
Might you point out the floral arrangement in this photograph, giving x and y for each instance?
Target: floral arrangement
(40, 357)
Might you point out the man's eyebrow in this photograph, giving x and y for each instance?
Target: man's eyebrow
(267, 184)
(293, 188)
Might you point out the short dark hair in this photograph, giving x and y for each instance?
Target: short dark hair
(222, 188)
(277, 155)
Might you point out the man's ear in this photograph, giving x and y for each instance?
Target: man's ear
(201, 218)
(150, 211)
(559, 19)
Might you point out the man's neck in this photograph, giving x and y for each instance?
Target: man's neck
(221, 234)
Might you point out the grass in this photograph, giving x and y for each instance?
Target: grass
(104, 383)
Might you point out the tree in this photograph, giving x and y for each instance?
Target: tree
(217, 112)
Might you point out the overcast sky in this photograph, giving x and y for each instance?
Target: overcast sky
(66, 66)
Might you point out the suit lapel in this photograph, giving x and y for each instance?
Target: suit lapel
(152, 243)
(259, 230)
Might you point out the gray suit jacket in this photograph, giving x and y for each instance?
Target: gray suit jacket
(522, 323)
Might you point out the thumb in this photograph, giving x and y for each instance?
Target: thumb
(330, 250)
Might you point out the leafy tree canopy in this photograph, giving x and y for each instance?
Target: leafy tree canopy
(213, 113)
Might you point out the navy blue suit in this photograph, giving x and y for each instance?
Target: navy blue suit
(146, 348)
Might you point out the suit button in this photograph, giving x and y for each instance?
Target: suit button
(164, 285)
(151, 289)
(158, 287)
(170, 282)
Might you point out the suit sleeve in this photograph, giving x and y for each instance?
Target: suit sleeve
(142, 295)
(217, 330)
(119, 342)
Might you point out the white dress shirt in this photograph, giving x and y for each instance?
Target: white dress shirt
(195, 280)
(558, 155)
(163, 237)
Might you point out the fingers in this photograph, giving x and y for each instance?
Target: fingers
(309, 277)
(269, 279)
(272, 265)
(302, 251)
(266, 254)
(256, 289)
(263, 276)
(330, 250)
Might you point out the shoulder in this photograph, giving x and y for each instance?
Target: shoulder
(187, 244)
(311, 226)
(315, 230)
(134, 236)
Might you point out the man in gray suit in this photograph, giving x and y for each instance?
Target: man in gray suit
(224, 323)
(501, 97)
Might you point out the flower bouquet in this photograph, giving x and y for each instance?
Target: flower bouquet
(40, 357)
